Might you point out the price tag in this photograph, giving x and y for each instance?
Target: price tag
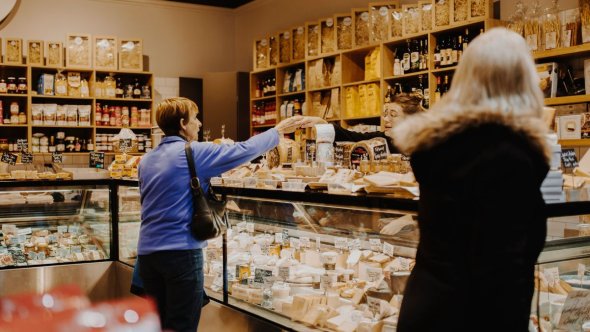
(375, 244)
(57, 158)
(310, 150)
(265, 248)
(242, 227)
(284, 272)
(285, 236)
(581, 272)
(96, 160)
(250, 227)
(305, 242)
(26, 158)
(552, 275)
(568, 158)
(63, 252)
(576, 310)
(295, 243)
(341, 243)
(25, 231)
(52, 238)
(41, 256)
(21, 238)
(260, 274)
(125, 145)
(388, 249)
(279, 237)
(212, 255)
(22, 145)
(339, 154)
(317, 243)
(90, 247)
(325, 281)
(62, 229)
(9, 158)
(354, 244)
(76, 249)
(380, 152)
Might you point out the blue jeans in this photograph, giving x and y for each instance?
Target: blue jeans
(175, 280)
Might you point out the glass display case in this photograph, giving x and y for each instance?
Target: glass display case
(54, 222)
(129, 219)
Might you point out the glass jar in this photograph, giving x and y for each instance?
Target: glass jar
(60, 147)
(145, 92)
(11, 88)
(110, 86)
(14, 109)
(22, 118)
(3, 144)
(22, 85)
(70, 146)
(3, 86)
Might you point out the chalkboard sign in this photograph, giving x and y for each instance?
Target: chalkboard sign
(96, 160)
(310, 150)
(125, 144)
(405, 158)
(260, 274)
(26, 158)
(57, 158)
(22, 145)
(568, 158)
(339, 154)
(9, 158)
(380, 152)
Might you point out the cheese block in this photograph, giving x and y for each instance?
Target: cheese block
(363, 266)
(358, 297)
(373, 149)
(288, 151)
(380, 258)
(254, 296)
(367, 325)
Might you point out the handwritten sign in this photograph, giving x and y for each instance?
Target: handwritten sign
(576, 310)
(26, 158)
(125, 144)
(57, 158)
(568, 158)
(341, 243)
(375, 244)
(339, 154)
(380, 152)
(96, 160)
(261, 274)
(22, 145)
(9, 158)
(388, 249)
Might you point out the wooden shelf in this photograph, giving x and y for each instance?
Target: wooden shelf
(292, 93)
(326, 55)
(14, 125)
(324, 88)
(125, 99)
(574, 142)
(264, 98)
(125, 72)
(400, 77)
(291, 64)
(264, 125)
(376, 80)
(361, 117)
(562, 52)
(18, 95)
(120, 127)
(261, 71)
(61, 97)
(567, 100)
(442, 70)
(66, 126)
(64, 69)
(14, 65)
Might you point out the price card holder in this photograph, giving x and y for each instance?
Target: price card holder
(305, 243)
(380, 152)
(9, 158)
(375, 244)
(388, 249)
(569, 158)
(261, 274)
(341, 243)
(125, 145)
(57, 158)
(26, 158)
(250, 227)
(96, 160)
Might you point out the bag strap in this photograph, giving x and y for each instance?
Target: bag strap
(195, 183)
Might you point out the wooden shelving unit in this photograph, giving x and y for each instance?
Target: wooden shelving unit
(33, 72)
(574, 143)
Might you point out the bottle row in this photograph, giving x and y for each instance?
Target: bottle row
(12, 85)
(110, 143)
(449, 49)
(72, 85)
(13, 115)
(61, 115)
(11, 144)
(75, 84)
(264, 113)
(122, 116)
(122, 87)
(265, 87)
(414, 57)
(60, 143)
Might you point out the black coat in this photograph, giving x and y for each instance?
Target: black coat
(352, 136)
(481, 218)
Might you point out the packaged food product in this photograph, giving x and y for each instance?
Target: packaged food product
(344, 32)
(84, 115)
(74, 84)
(313, 39)
(45, 85)
(327, 36)
(361, 28)
(411, 19)
(285, 47)
(37, 114)
(379, 22)
(261, 47)
(274, 50)
(395, 19)
(49, 114)
(72, 115)
(426, 8)
(61, 84)
(478, 8)
(442, 13)
(298, 43)
(61, 115)
(460, 10)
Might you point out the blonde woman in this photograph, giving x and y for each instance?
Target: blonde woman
(480, 157)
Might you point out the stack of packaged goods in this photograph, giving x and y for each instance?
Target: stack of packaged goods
(552, 187)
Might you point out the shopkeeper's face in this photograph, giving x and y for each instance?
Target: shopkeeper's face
(392, 114)
(192, 127)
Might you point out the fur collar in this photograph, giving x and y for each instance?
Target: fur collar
(426, 130)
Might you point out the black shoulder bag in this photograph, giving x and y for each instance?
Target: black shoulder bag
(209, 218)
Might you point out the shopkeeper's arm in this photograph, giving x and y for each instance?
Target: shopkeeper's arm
(348, 135)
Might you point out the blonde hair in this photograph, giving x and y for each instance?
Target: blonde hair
(170, 111)
(496, 73)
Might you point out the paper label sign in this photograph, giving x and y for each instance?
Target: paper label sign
(380, 152)
(354, 244)
(388, 249)
(568, 158)
(339, 154)
(250, 227)
(96, 160)
(62, 229)
(260, 274)
(284, 272)
(26, 158)
(9, 158)
(341, 243)
(375, 244)
(310, 150)
(305, 243)
(279, 237)
(57, 158)
(552, 275)
(576, 310)
(242, 227)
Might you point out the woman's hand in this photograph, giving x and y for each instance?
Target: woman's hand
(289, 125)
(310, 121)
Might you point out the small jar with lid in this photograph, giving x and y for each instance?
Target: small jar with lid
(14, 109)
(11, 85)
(22, 118)
(60, 145)
(145, 92)
(22, 85)
(3, 144)
(3, 86)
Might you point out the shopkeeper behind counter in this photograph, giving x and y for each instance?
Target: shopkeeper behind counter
(401, 105)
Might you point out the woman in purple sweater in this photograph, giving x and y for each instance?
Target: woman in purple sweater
(170, 258)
